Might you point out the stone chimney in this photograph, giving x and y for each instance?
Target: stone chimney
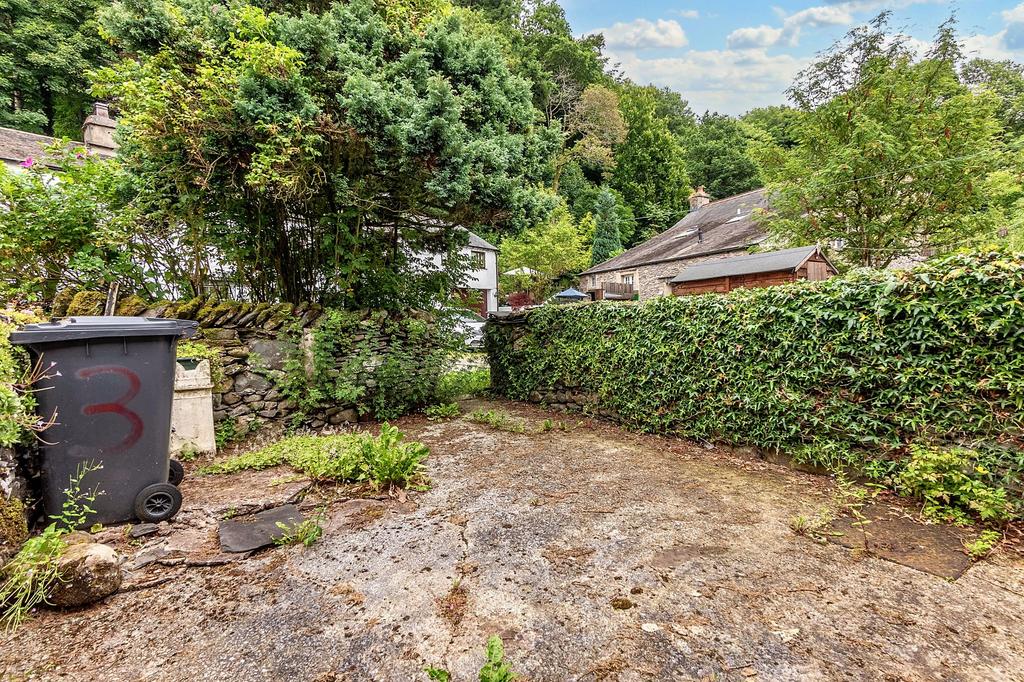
(699, 198)
(98, 131)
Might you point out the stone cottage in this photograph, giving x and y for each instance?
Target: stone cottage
(712, 230)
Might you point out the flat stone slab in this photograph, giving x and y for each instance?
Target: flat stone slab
(932, 548)
(259, 530)
(143, 529)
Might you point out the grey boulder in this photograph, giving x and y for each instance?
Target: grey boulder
(89, 572)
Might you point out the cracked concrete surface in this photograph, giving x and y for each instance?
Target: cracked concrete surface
(541, 532)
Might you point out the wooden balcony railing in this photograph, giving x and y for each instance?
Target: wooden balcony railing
(617, 288)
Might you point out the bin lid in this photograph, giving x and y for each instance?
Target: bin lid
(85, 327)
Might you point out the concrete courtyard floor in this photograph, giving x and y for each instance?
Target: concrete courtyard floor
(594, 553)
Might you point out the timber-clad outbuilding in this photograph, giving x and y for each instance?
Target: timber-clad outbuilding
(754, 270)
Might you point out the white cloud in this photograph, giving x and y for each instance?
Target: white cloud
(1014, 15)
(688, 13)
(815, 17)
(819, 16)
(988, 46)
(1007, 43)
(727, 81)
(754, 36)
(641, 34)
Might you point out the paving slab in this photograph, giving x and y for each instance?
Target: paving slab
(247, 533)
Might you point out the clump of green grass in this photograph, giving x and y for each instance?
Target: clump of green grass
(385, 461)
(305, 532)
(506, 422)
(442, 411)
(498, 420)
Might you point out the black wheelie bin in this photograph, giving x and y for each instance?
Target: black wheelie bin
(109, 385)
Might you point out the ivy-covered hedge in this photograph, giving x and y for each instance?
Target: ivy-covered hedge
(851, 371)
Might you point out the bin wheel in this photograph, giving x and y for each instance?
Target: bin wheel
(157, 502)
(175, 472)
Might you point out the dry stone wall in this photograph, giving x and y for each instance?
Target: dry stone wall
(254, 343)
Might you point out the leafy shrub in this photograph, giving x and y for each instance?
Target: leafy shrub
(442, 411)
(384, 461)
(982, 546)
(201, 351)
(839, 373)
(464, 382)
(17, 416)
(945, 478)
(388, 462)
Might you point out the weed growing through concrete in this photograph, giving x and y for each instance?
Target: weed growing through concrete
(498, 420)
(495, 669)
(305, 532)
(984, 544)
(814, 527)
(505, 422)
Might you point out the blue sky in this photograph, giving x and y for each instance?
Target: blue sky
(733, 55)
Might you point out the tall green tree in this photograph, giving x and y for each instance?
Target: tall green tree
(716, 157)
(780, 122)
(47, 47)
(674, 110)
(650, 171)
(554, 249)
(607, 241)
(321, 151)
(893, 151)
(1005, 79)
(593, 129)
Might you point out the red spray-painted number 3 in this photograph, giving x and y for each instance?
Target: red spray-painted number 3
(118, 406)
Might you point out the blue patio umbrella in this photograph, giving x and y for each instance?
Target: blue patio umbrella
(570, 295)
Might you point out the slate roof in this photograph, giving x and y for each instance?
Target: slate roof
(721, 226)
(478, 242)
(17, 145)
(769, 261)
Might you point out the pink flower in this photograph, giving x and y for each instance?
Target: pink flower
(28, 162)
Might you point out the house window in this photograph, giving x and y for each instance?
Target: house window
(478, 259)
(593, 281)
(627, 279)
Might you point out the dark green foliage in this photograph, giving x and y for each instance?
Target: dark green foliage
(780, 122)
(47, 48)
(716, 157)
(650, 172)
(844, 372)
(465, 383)
(607, 240)
(384, 364)
(1006, 80)
(316, 151)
